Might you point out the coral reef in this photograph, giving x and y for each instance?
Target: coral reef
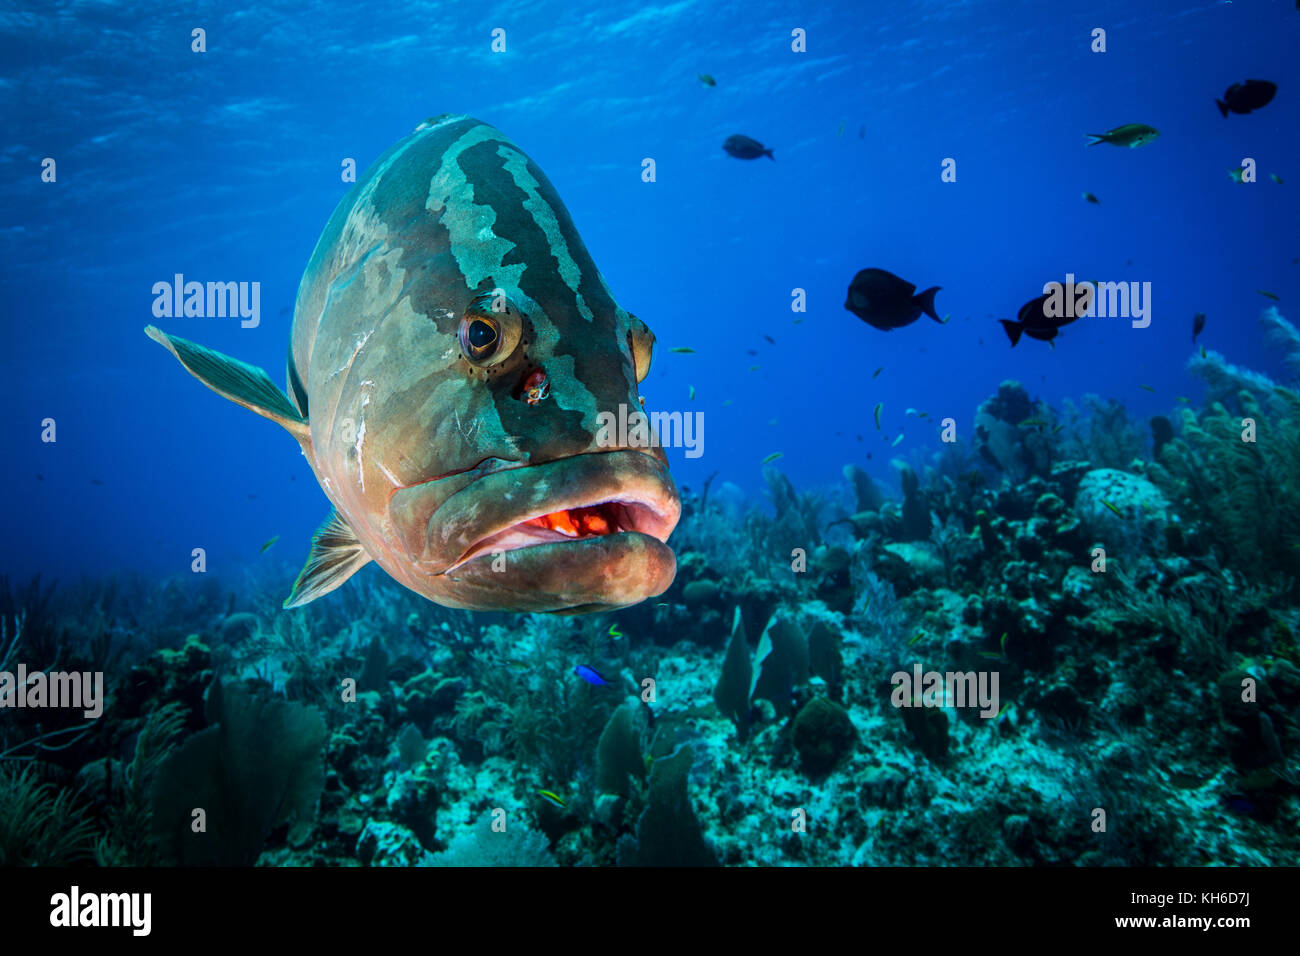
(1059, 623)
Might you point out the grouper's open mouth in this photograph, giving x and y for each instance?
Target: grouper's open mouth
(580, 533)
(577, 523)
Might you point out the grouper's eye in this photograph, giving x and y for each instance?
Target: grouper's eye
(641, 342)
(490, 329)
(481, 335)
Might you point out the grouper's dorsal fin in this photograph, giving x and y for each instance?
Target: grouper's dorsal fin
(238, 381)
(336, 555)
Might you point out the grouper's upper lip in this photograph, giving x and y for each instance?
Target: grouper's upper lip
(593, 494)
(485, 466)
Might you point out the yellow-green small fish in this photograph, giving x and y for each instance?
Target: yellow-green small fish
(1112, 507)
(922, 414)
(1032, 423)
(1269, 295)
(991, 655)
(1236, 174)
(682, 349)
(919, 635)
(1131, 135)
(268, 544)
(692, 388)
(1057, 429)
(944, 320)
(897, 440)
(707, 80)
(1003, 642)
(796, 321)
(1147, 387)
(877, 371)
(772, 422)
(729, 401)
(754, 368)
(1182, 398)
(1276, 178)
(614, 632)
(772, 457)
(551, 797)
(1092, 199)
(840, 131)
(879, 406)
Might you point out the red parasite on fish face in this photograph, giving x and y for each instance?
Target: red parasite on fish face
(536, 387)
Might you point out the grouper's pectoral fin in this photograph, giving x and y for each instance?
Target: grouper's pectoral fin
(238, 381)
(336, 555)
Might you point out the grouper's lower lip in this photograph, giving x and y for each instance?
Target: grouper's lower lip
(590, 574)
(581, 532)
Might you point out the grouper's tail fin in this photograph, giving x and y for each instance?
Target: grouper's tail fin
(238, 381)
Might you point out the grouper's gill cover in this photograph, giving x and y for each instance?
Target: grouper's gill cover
(453, 344)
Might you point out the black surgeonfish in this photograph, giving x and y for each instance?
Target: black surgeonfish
(742, 147)
(1244, 97)
(1032, 320)
(884, 301)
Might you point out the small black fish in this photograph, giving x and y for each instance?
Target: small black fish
(40, 477)
(770, 339)
(742, 147)
(750, 352)
(1244, 97)
(1198, 325)
(884, 301)
(707, 80)
(95, 481)
(862, 132)
(1032, 320)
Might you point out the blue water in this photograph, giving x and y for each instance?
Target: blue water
(224, 166)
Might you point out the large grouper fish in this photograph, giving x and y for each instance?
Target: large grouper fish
(453, 348)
